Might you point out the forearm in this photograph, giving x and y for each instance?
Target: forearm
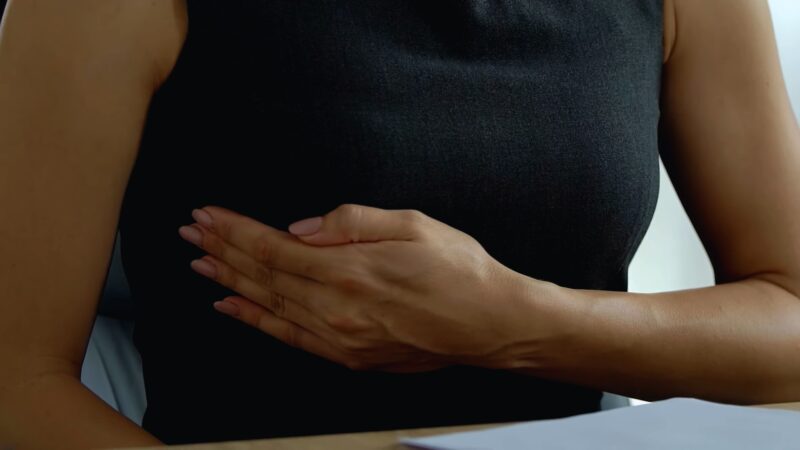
(56, 411)
(737, 342)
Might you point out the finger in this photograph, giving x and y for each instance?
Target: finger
(350, 223)
(291, 334)
(281, 304)
(305, 291)
(270, 247)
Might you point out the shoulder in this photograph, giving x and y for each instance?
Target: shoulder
(143, 37)
(699, 23)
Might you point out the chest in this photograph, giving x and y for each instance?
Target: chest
(518, 122)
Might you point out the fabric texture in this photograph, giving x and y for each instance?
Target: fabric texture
(531, 125)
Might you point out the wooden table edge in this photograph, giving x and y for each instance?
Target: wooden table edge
(374, 440)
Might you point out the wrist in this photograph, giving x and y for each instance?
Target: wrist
(541, 320)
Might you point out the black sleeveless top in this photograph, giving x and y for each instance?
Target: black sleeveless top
(531, 125)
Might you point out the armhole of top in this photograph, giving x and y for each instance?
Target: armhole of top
(169, 73)
(670, 28)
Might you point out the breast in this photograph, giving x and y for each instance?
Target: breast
(522, 123)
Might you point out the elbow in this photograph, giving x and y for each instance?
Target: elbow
(22, 376)
(789, 282)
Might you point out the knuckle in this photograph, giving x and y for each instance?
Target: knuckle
(313, 271)
(348, 210)
(301, 297)
(345, 323)
(332, 319)
(277, 304)
(415, 214)
(264, 275)
(415, 218)
(350, 282)
(354, 346)
(349, 215)
(264, 250)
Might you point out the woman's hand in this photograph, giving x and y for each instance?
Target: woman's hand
(404, 292)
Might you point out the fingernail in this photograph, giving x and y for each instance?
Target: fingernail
(306, 226)
(204, 268)
(191, 234)
(227, 308)
(203, 218)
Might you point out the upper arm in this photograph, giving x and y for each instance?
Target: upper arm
(733, 145)
(76, 80)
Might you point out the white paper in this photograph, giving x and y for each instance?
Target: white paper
(676, 424)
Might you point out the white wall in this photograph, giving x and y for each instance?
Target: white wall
(786, 15)
(671, 256)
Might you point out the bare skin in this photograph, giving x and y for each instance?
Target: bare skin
(71, 116)
(734, 162)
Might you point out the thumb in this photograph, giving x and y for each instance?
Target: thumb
(357, 223)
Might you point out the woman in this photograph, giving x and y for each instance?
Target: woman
(497, 167)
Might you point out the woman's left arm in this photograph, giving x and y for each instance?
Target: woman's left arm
(734, 157)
